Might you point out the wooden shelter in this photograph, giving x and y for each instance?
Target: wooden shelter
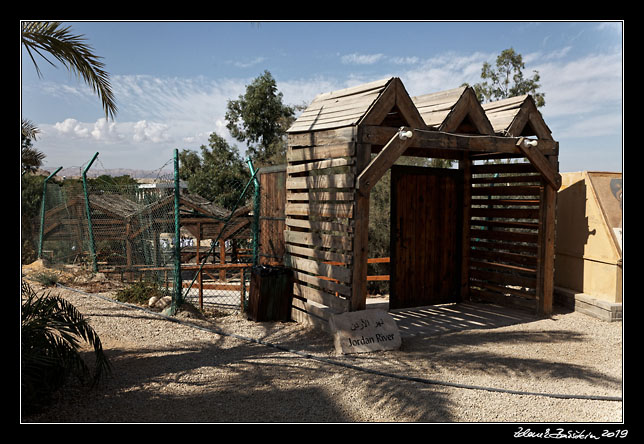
(203, 220)
(481, 230)
(120, 219)
(111, 219)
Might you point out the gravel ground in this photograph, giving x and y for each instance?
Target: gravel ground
(167, 371)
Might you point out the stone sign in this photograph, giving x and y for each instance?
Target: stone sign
(364, 331)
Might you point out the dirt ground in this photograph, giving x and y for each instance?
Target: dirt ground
(229, 369)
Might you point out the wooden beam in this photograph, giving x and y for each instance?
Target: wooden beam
(467, 106)
(378, 135)
(383, 161)
(406, 106)
(540, 162)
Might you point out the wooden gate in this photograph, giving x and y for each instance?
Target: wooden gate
(426, 232)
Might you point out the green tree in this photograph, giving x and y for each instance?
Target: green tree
(260, 118)
(112, 183)
(31, 187)
(218, 175)
(30, 158)
(507, 80)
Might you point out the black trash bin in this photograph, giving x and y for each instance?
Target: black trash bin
(271, 293)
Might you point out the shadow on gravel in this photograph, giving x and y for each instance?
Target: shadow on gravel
(229, 380)
(251, 383)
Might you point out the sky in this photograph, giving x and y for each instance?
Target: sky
(173, 79)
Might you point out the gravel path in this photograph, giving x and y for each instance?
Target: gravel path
(167, 371)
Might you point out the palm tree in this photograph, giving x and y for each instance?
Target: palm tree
(70, 50)
(51, 329)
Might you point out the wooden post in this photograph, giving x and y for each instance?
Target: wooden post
(243, 289)
(222, 259)
(361, 235)
(545, 270)
(198, 241)
(465, 166)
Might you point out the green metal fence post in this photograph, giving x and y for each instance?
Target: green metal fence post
(92, 247)
(42, 210)
(177, 298)
(256, 205)
(221, 231)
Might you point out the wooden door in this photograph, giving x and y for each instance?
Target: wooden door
(272, 220)
(426, 221)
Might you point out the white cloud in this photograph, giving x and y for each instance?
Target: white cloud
(616, 27)
(247, 63)
(405, 60)
(188, 107)
(361, 59)
(540, 57)
(106, 131)
(102, 130)
(154, 132)
(584, 85)
(72, 127)
(444, 71)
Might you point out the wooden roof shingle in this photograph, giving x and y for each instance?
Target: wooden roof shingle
(336, 109)
(517, 116)
(454, 110)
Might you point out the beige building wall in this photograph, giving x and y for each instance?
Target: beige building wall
(589, 234)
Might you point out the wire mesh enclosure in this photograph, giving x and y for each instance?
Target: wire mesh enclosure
(190, 247)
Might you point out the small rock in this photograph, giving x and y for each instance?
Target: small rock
(164, 302)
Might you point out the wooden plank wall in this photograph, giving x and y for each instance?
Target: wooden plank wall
(505, 208)
(319, 235)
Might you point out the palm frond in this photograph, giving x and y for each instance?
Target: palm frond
(50, 339)
(70, 50)
(29, 129)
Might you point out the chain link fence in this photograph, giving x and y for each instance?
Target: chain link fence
(196, 249)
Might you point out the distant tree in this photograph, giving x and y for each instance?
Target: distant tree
(507, 80)
(105, 181)
(30, 158)
(218, 175)
(31, 187)
(260, 118)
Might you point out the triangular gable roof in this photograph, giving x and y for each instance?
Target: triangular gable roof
(199, 205)
(453, 111)
(336, 109)
(114, 204)
(517, 116)
(203, 206)
(370, 103)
